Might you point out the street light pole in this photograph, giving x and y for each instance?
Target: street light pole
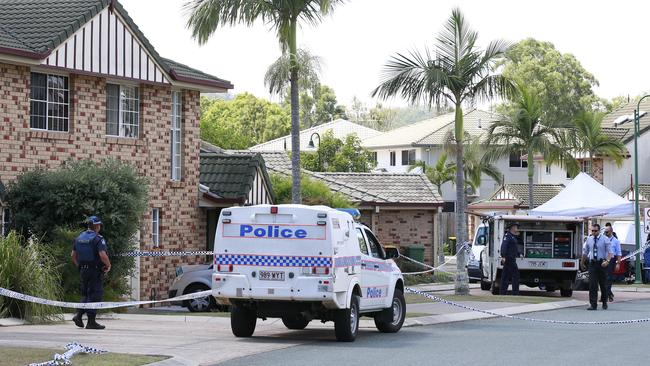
(313, 146)
(637, 221)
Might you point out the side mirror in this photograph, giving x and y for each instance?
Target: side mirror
(481, 240)
(391, 252)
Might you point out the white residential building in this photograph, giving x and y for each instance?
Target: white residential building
(340, 128)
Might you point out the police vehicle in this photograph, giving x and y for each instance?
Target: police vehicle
(550, 249)
(301, 263)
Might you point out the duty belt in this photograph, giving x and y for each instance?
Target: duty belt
(89, 266)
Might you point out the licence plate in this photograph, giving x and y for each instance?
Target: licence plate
(538, 264)
(271, 275)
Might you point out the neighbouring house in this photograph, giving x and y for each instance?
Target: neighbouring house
(79, 80)
(511, 198)
(402, 209)
(340, 129)
(230, 180)
(644, 198)
(424, 141)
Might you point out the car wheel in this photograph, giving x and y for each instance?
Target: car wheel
(566, 292)
(346, 321)
(295, 322)
(242, 321)
(200, 304)
(390, 320)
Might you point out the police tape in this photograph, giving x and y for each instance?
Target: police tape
(516, 317)
(72, 349)
(638, 251)
(431, 268)
(138, 253)
(97, 305)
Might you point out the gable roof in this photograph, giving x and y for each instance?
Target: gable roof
(35, 28)
(475, 123)
(515, 195)
(627, 109)
(232, 176)
(644, 193)
(341, 128)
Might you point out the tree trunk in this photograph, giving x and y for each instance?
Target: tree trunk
(295, 117)
(461, 286)
(531, 173)
(591, 165)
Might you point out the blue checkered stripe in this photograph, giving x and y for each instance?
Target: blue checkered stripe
(381, 266)
(272, 260)
(347, 261)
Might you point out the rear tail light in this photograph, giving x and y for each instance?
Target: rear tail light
(568, 264)
(320, 270)
(224, 268)
(274, 209)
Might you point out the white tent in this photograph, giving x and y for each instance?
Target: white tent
(585, 197)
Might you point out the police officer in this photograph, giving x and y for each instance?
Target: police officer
(615, 246)
(597, 250)
(509, 254)
(89, 255)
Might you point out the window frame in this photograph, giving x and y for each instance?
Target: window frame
(362, 245)
(586, 165)
(392, 158)
(155, 227)
(176, 136)
(410, 157)
(548, 169)
(523, 164)
(372, 238)
(121, 113)
(64, 105)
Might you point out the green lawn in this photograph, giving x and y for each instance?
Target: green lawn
(20, 356)
(417, 299)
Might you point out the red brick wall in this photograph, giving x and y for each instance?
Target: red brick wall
(404, 228)
(22, 149)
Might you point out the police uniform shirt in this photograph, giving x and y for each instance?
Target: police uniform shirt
(615, 246)
(509, 247)
(603, 247)
(88, 245)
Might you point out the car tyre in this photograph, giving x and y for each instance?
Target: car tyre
(566, 292)
(295, 322)
(242, 321)
(201, 304)
(346, 321)
(390, 320)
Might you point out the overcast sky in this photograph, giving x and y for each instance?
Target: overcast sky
(609, 38)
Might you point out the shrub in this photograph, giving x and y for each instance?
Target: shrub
(28, 268)
(314, 192)
(52, 205)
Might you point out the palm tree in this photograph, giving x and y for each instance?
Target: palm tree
(524, 132)
(277, 76)
(459, 72)
(439, 174)
(589, 138)
(283, 16)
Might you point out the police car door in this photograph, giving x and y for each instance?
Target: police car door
(375, 273)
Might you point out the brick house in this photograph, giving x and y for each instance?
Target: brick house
(79, 80)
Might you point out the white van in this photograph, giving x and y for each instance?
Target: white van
(300, 263)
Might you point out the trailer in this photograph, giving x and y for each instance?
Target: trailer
(550, 248)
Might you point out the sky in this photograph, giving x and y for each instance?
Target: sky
(355, 41)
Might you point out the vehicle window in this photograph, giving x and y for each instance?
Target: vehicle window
(375, 249)
(482, 230)
(362, 242)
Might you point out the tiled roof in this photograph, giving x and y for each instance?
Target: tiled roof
(541, 192)
(393, 188)
(340, 129)
(36, 27)
(644, 192)
(610, 120)
(207, 147)
(408, 135)
(231, 176)
(475, 123)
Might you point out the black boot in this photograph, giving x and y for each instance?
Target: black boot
(77, 319)
(92, 324)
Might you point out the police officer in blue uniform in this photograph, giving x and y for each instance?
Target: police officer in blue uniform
(509, 255)
(89, 255)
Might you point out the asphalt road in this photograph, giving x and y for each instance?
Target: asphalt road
(479, 342)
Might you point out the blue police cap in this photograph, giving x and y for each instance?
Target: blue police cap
(94, 220)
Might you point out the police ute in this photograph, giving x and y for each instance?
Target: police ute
(300, 263)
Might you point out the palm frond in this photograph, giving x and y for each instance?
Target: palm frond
(277, 75)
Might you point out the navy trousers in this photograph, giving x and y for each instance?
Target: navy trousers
(91, 288)
(510, 273)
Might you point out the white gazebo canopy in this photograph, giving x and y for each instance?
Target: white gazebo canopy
(585, 197)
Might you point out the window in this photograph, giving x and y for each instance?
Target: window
(49, 101)
(373, 156)
(177, 117)
(122, 111)
(4, 221)
(362, 242)
(585, 166)
(155, 227)
(408, 157)
(375, 249)
(517, 162)
(392, 158)
(548, 169)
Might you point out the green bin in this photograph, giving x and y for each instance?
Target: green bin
(416, 252)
